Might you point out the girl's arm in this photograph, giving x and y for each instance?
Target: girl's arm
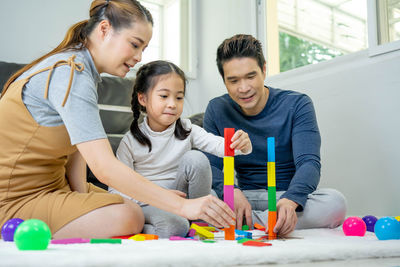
(76, 172)
(105, 166)
(215, 145)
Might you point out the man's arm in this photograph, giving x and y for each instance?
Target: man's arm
(306, 143)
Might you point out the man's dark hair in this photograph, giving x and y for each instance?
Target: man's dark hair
(239, 46)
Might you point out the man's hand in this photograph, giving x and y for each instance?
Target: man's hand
(287, 218)
(242, 209)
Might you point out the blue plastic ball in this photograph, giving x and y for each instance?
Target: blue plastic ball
(370, 222)
(387, 228)
(8, 229)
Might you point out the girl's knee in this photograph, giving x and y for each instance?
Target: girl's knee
(196, 158)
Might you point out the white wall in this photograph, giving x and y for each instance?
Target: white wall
(356, 97)
(357, 103)
(32, 28)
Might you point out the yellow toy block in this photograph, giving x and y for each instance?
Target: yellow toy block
(137, 238)
(149, 236)
(271, 174)
(202, 232)
(229, 170)
(208, 228)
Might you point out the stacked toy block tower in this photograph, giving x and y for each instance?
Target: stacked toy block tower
(229, 178)
(271, 188)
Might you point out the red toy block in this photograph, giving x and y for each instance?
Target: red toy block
(228, 134)
(256, 244)
(122, 237)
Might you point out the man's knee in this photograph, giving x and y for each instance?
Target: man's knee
(325, 208)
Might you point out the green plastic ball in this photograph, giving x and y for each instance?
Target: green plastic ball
(32, 234)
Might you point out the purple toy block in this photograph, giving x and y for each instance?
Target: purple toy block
(69, 241)
(191, 233)
(178, 238)
(228, 196)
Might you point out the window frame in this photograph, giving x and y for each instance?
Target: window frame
(374, 47)
(188, 51)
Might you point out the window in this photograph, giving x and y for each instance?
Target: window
(305, 32)
(384, 26)
(172, 33)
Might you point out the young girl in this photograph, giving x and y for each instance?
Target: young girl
(54, 129)
(160, 148)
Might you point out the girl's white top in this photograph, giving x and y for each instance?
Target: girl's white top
(161, 163)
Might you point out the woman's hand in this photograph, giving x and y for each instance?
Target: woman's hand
(241, 141)
(209, 209)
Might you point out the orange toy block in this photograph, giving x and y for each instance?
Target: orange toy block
(259, 227)
(230, 233)
(149, 236)
(271, 224)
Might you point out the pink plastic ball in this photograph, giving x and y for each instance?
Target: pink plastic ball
(354, 226)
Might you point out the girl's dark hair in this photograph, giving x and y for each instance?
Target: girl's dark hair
(120, 13)
(146, 78)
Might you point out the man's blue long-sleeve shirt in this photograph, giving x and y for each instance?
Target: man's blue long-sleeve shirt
(289, 117)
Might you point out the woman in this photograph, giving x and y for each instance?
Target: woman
(54, 129)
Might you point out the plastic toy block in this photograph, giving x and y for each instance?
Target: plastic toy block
(229, 196)
(69, 241)
(122, 237)
(259, 227)
(202, 232)
(179, 238)
(229, 172)
(271, 149)
(271, 224)
(229, 233)
(105, 241)
(271, 174)
(256, 244)
(208, 241)
(201, 223)
(245, 227)
(208, 228)
(271, 198)
(137, 238)
(228, 134)
(191, 232)
(149, 236)
(242, 240)
(244, 233)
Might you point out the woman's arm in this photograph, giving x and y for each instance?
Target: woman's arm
(76, 172)
(101, 160)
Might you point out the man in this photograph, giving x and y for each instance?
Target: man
(264, 112)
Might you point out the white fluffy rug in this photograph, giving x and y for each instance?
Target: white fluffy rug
(314, 245)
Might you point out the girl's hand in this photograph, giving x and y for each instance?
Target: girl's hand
(209, 209)
(241, 141)
(179, 193)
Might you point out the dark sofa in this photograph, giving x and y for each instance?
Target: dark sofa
(114, 102)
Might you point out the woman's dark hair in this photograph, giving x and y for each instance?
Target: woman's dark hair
(120, 13)
(239, 46)
(146, 78)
